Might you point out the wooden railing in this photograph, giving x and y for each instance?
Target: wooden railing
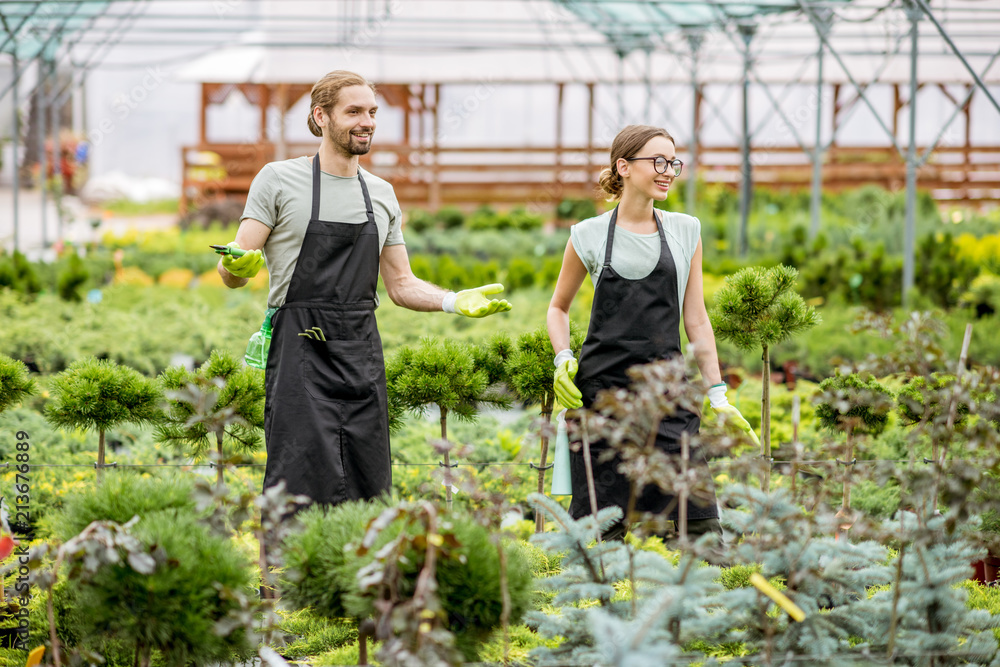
(541, 177)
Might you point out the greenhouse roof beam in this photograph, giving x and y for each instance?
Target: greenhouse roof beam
(965, 63)
(817, 24)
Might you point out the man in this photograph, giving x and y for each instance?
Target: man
(327, 229)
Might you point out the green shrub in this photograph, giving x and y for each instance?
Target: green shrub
(942, 274)
(321, 571)
(866, 403)
(120, 497)
(419, 220)
(175, 609)
(486, 217)
(912, 400)
(576, 209)
(983, 294)
(72, 278)
(15, 383)
(520, 274)
(524, 221)
(17, 273)
(450, 217)
(450, 275)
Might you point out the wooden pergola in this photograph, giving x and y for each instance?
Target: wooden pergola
(429, 175)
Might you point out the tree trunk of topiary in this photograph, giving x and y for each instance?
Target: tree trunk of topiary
(447, 459)
(218, 461)
(765, 423)
(846, 505)
(100, 456)
(546, 419)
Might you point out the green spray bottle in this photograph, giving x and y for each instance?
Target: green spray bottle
(259, 343)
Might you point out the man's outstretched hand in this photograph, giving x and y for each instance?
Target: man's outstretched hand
(475, 303)
(246, 266)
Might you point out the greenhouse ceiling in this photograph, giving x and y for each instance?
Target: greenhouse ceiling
(514, 40)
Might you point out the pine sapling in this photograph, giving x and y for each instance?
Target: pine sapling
(100, 394)
(527, 371)
(222, 401)
(442, 373)
(857, 407)
(759, 308)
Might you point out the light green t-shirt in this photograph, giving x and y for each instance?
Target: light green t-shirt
(635, 255)
(281, 198)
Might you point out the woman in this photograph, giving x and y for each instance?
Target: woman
(646, 270)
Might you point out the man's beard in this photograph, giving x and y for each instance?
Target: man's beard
(348, 145)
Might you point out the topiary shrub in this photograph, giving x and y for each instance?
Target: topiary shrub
(219, 405)
(322, 567)
(854, 404)
(100, 394)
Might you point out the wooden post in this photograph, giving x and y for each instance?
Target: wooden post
(281, 149)
(263, 101)
(557, 180)
(435, 192)
(591, 182)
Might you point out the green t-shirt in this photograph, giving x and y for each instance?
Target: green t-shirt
(635, 255)
(281, 198)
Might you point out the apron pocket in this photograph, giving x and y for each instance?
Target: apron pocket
(338, 370)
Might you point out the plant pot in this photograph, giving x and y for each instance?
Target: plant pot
(990, 566)
(979, 571)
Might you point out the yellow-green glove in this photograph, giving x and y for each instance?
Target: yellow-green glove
(246, 266)
(473, 302)
(567, 393)
(719, 403)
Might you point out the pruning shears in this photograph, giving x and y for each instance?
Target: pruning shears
(228, 250)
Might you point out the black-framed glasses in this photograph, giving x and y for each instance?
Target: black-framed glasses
(661, 163)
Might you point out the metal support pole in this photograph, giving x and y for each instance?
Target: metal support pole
(694, 43)
(649, 86)
(909, 232)
(817, 175)
(16, 145)
(621, 89)
(42, 163)
(54, 123)
(746, 190)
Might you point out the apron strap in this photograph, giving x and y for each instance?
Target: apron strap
(368, 200)
(611, 237)
(315, 184)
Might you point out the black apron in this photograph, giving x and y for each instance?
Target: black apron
(632, 322)
(326, 414)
